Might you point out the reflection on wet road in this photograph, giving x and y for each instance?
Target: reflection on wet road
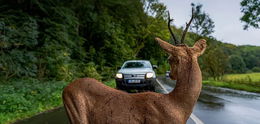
(215, 106)
(221, 105)
(226, 106)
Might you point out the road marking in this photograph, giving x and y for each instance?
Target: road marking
(162, 85)
(196, 119)
(192, 116)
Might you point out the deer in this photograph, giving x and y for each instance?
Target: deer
(88, 101)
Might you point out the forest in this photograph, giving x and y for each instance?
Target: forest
(64, 40)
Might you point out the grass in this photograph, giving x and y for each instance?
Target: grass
(247, 82)
(233, 86)
(111, 83)
(21, 99)
(251, 78)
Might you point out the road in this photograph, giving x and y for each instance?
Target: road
(215, 106)
(223, 106)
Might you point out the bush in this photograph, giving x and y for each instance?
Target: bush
(256, 69)
(90, 71)
(27, 97)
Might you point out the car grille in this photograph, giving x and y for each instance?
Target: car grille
(134, 76)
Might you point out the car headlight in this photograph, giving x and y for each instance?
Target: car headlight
(149, 75)
(119, 75)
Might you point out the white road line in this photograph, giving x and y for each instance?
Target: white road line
(162, 85)
(192, 116)
(196, 119)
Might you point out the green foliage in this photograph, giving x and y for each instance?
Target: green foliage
(24, 98)
(232, 85)
(16, 43)
(253, 78)
(250, 55)
(247, 56)
(248, 82)
(65, 40)
(256, 69)
(237, 64)
(90, 71)
(163, 68)
(21, 98)
(111, 83)
(251, 13)
(214, 62)
(53, 39)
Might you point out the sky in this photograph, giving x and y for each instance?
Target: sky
(225, 14)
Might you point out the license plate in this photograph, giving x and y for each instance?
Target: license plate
(134, 81)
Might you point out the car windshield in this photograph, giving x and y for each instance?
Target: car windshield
(137, 65)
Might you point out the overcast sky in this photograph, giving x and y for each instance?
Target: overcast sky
(225, 14)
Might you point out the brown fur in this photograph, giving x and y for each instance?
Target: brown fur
(88, 101)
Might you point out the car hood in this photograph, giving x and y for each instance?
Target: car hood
(136, 70)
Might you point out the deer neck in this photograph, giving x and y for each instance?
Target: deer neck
(188, 85)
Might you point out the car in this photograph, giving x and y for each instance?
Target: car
(136, 74)
(167, 74)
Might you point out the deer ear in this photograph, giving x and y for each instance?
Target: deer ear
(165, 45)
(200, 46)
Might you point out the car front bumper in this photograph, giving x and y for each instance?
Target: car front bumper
(125, 85)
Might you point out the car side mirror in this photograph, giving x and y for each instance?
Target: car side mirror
(155, 66)
(118, 68)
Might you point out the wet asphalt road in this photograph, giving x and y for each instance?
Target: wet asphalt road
(225, 106)
(215, 106)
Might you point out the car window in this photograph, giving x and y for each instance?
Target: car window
(137, 65)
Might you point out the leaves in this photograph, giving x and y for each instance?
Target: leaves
(24, 95)
(202, 23)
(251, 13)
(64, 40)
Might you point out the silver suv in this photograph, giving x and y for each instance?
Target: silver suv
(136, 74)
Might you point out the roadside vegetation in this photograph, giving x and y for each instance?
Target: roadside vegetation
(248, 78)
(247, 82)
(111, 83)
(24, 98)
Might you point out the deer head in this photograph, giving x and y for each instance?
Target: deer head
(181, 52)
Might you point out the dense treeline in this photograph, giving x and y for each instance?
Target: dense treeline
(62, 40)
(66, 39)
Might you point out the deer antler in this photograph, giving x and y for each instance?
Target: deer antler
(169, 26)
(187, 26)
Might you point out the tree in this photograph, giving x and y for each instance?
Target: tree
(214, 65)
(237, 64)
(202, 23)
(251, 11)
